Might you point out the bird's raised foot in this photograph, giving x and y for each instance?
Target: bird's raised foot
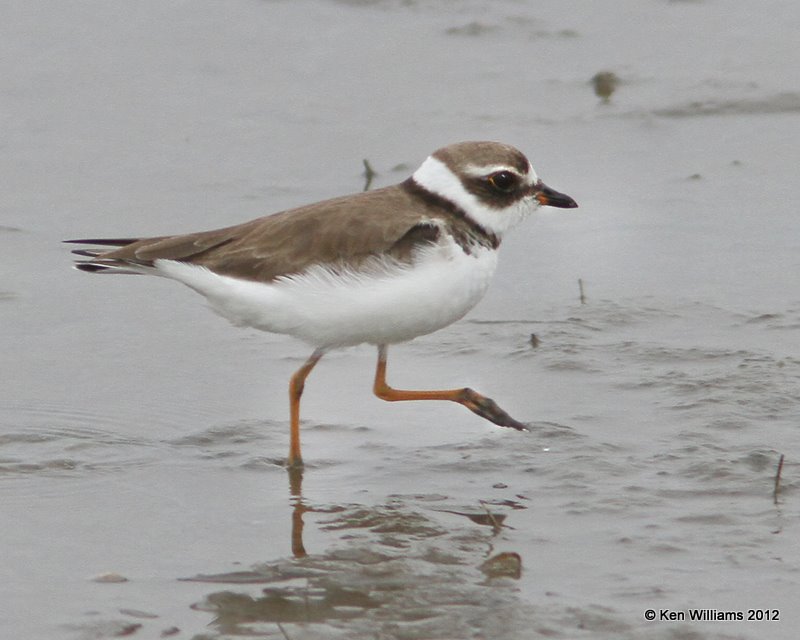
(489, 409)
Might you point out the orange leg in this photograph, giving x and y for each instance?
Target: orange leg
(296, 385)
(472, 400)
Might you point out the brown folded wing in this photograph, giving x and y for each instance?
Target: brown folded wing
(340, 232)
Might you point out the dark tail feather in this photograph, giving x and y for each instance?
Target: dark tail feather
(110, 266)
(90, 267)
(111, 242)
(98, 264)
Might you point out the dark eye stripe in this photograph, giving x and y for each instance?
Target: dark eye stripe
(504, 181)
(494, 191)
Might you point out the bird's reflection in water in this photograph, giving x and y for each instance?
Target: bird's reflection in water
(389, 564)
(298, 509)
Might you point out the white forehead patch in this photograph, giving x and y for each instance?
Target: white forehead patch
(435, 176)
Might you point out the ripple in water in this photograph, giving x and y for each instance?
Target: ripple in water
(65, 443)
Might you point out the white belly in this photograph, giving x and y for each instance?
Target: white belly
(383, 304)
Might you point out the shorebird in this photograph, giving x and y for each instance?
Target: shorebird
(378, 267)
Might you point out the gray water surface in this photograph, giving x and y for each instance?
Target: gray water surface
(142, 438)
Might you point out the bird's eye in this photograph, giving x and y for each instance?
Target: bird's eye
(503, 181)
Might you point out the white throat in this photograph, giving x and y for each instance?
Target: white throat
(435, 176)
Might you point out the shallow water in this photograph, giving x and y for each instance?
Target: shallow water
(141, 438)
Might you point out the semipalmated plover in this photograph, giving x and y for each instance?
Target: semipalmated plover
(378, 267)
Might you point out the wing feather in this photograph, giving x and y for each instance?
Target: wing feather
(343, 231)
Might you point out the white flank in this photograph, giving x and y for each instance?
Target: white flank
(383, 303)
(435, 176)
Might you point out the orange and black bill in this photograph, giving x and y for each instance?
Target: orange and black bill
(552, 198)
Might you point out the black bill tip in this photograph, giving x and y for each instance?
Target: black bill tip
(552, 198)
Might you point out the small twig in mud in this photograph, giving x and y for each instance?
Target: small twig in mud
(369, 174)
(283, 631)
(777, 488)
(580, 289)
(496, 526)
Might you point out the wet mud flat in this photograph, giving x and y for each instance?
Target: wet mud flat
(142, 439)
(603, 511)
